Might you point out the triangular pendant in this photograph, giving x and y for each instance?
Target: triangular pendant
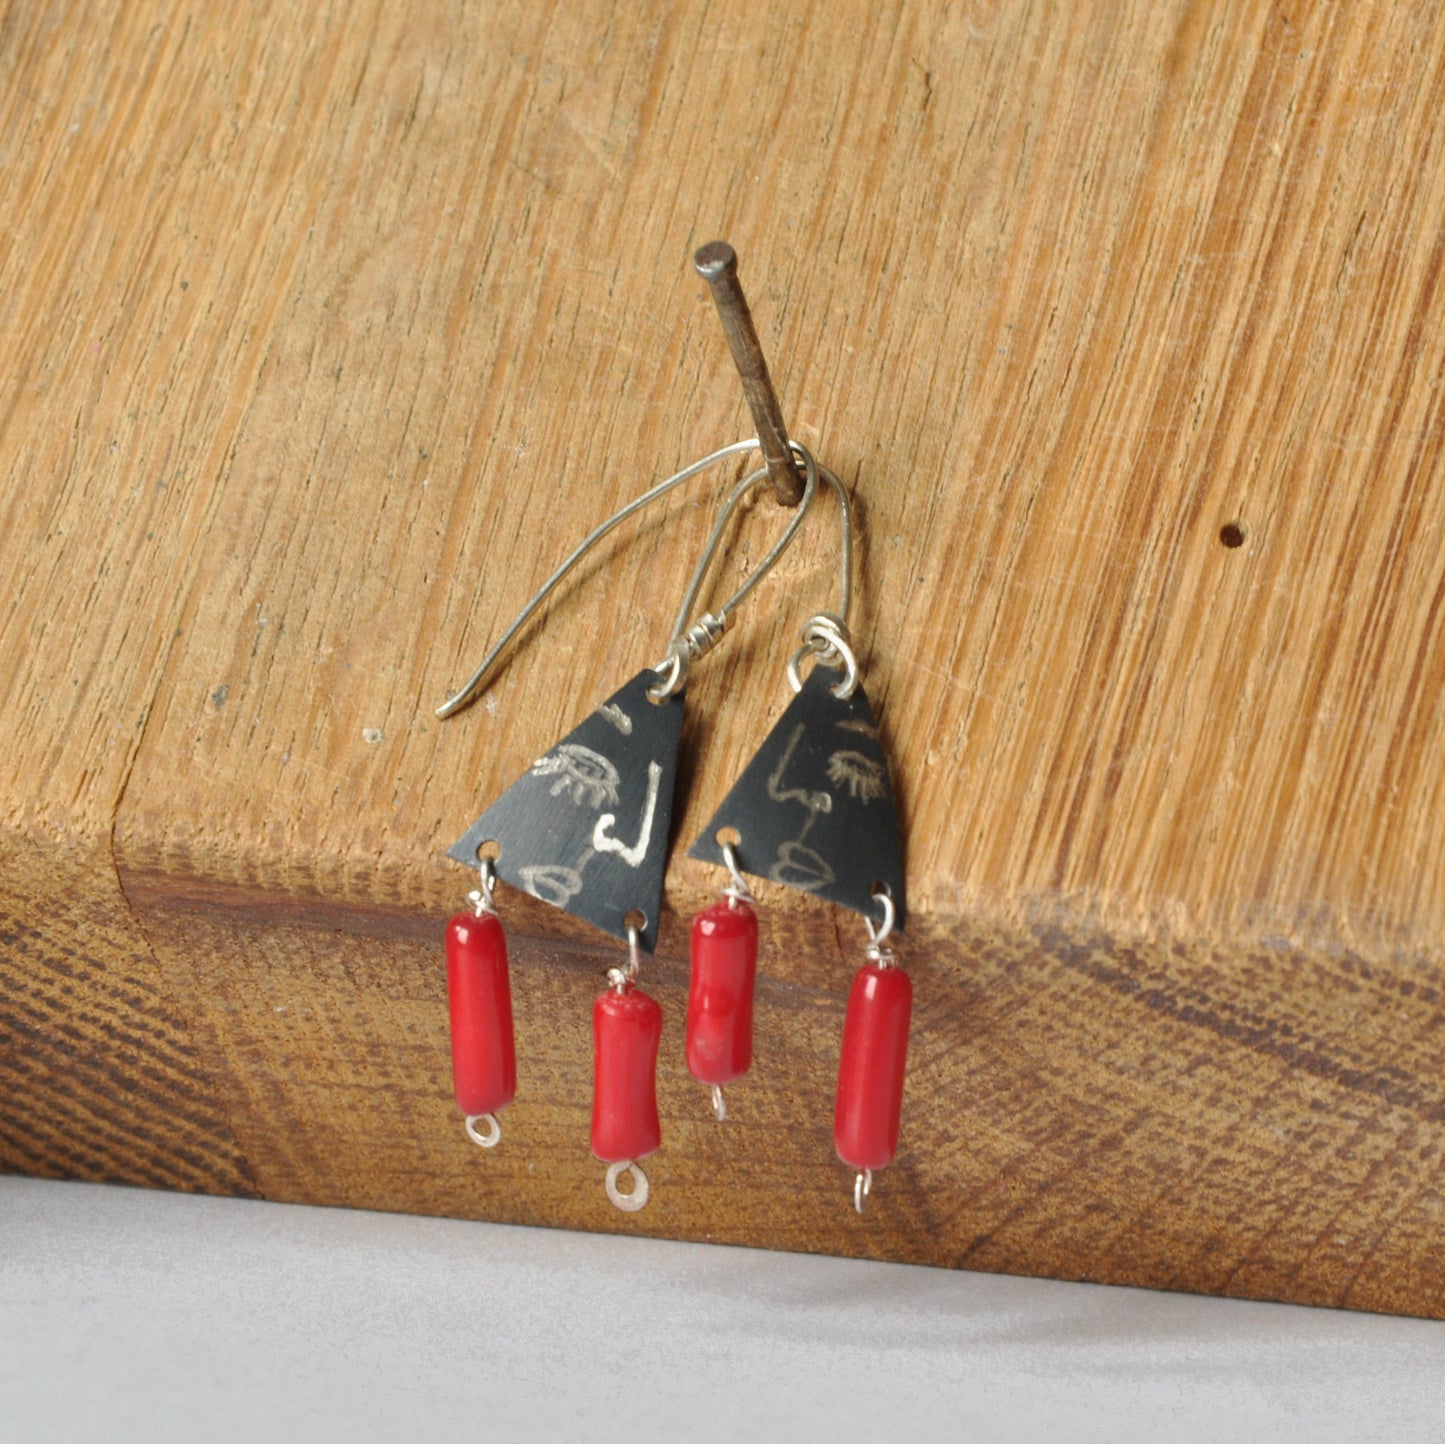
(586, 827)
(814, 808)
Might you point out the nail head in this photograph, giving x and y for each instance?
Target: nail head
(715, 260)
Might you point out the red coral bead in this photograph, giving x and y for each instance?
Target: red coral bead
(626, 1029)
(720, 998)
(870, 1070)
(479, 998)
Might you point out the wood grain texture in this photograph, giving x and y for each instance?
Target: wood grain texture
(101, 1077)
(327, 333)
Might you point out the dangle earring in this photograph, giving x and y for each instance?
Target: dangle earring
(720, 990)
(814, 810)
(586, 829)
(626, 1029)
(870, 1067)
(724, 937)
(479, 1003)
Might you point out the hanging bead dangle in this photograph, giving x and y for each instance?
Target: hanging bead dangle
(869, 1104)
(479, 1005)
(626, 1031)
(721, 985)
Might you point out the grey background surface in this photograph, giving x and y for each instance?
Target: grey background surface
(131, 1315)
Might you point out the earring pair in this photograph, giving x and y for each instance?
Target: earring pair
(813, 811)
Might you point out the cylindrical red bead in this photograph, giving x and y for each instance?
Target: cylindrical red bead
(626, 1029)
(479, 996)
(870, 1070)
(720, 998)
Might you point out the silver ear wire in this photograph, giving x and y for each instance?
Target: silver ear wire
(691, 640)
(825, 634)
(675, 671)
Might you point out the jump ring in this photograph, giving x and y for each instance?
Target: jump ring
(825, 639)
(738, 890)
(877, 935)
(483, 898)
(627, 1202)
(491, 1137)
(672, 673)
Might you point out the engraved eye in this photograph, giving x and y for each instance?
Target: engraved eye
(862, 776)
(582, 773)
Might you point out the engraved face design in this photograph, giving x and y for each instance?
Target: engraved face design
(800, 867)
(553, 884)
(862, 776)
(614, 714)
(814, 809)
(587, 776)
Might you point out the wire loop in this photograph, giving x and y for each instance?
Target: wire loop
(623, 978)
(861, 1187)
(826, 637)
(673, 679)
(482, 898)
(737, 890)
(627, 1202)
(878, 935)
(493, 1134)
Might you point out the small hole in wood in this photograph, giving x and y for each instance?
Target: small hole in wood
(1232, 534)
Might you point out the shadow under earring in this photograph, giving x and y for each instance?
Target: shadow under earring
(814, 810)
(586, 829)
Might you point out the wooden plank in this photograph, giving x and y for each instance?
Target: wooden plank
(102, 1080)
(325, 337)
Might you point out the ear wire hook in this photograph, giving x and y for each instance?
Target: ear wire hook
(676, 670)
(690, 641)
(825, 634)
